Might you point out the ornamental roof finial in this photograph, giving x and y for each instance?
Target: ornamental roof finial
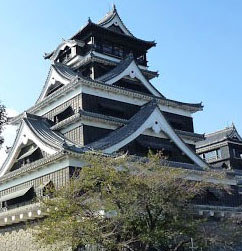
(114, 8)
(89, 20)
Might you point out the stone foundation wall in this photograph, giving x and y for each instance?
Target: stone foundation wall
(19, 237)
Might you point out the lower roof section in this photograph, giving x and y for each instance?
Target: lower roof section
(149, 116)
(39, 131)
(82, 85)
(109, 122)
(228, 134)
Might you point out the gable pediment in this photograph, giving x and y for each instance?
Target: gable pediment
(149, 117)
(59, 75)
(64, 46)
(113, 21)
(27, 153)
(24, 138)
(133, 84)
(34, 138)
(235, 136)
(116, 28)
(128, 68)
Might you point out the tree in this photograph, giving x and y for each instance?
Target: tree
(124, 204)
(3, 119)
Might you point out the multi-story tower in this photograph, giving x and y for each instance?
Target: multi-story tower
(222, 149)
(97, 97)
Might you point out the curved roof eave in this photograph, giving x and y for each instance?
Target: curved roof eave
(149, 116)
(37, 130)
(122, 69)
(64, 71)
(110, 16)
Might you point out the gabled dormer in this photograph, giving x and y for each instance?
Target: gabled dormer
(233, 135)
(149, 117)
(35, 139)
(67, 51)
(59, 76)
(128, 75)
(113, 22)
(27, 154)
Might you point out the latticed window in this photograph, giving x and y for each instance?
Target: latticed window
(212, 155)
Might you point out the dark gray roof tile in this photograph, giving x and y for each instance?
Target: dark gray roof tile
(125, 131)
(41, 128)
(65, 71)
(117, 70)
(217, 136)
(110, 16)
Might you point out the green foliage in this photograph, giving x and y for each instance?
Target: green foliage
(123, 204)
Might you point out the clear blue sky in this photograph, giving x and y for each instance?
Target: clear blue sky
(198, 52)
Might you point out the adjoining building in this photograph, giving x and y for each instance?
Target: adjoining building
(97, 97)
(222, 149)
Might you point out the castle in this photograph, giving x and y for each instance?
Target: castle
(97, 97)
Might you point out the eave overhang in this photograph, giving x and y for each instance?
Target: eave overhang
(128, 67)
(96, 57)
(94, 29)
(210, 147)
(113, 18)
(58, 72)
(149, 116)
(34, 166)
(70, 43)
(114, 89)
(37, 130)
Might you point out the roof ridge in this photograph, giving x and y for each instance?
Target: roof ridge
(219, 131)
(121, 66)
(110, 15)
(121, 133)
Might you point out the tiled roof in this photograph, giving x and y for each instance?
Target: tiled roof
(52, 55)
(125, 121)
(65, 71)
(124, 64)
(41, 128)
(93, 57)
(218, 136)
(90, 24)
(117, 70)
(122, 133)
(194, 107)
(109, 17)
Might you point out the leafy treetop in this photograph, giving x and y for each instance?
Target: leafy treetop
(125, 204)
